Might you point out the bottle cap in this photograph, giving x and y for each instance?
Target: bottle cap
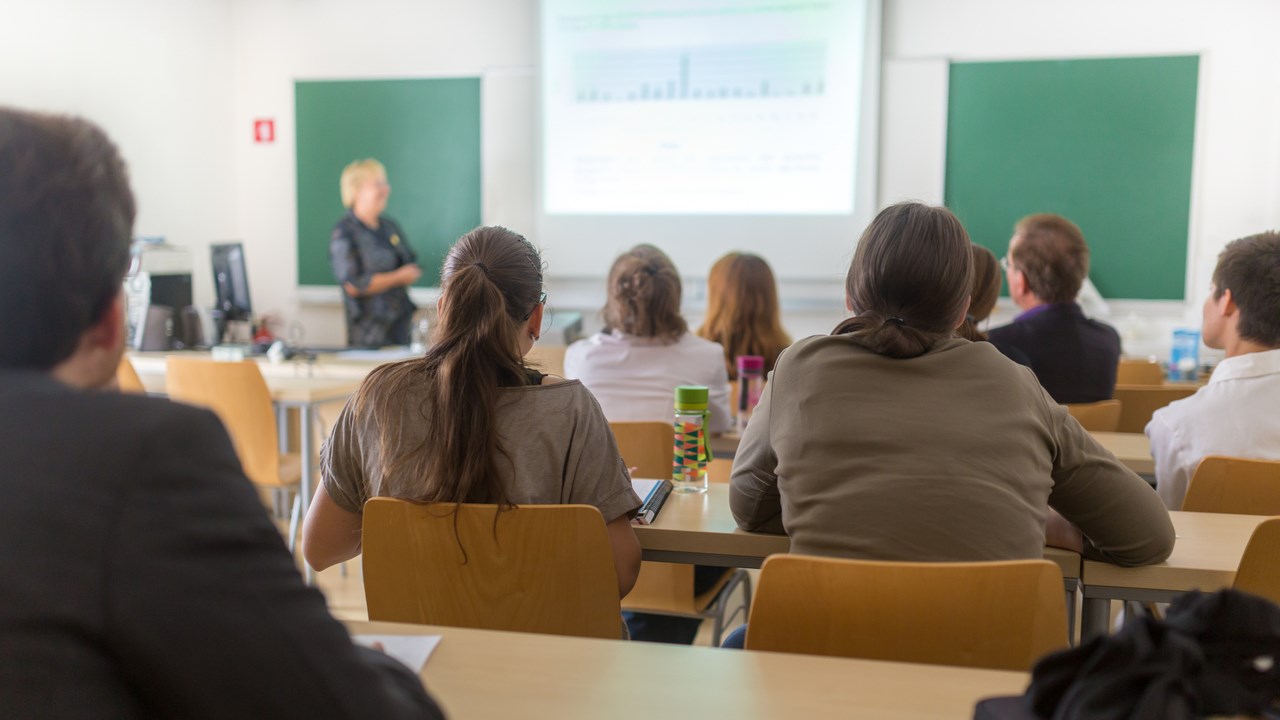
(750, 364)
(691, 397)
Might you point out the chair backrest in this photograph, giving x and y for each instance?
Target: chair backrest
(547, 358)
(646, 446)
(1002, 615)
(719, 470)
(1140, 372)
(127, 377)
(1235, 486)
(237, 394)
(1259, 571)
(1101, 416)
(1139, 402)
(536, 568)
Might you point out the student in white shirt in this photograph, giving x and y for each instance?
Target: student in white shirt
(634, 365)
(633, 368)
(1237, 413)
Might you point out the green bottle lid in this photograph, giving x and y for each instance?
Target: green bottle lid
(691, 397)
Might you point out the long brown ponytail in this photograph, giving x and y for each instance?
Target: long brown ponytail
(909, 282)
(490, 285)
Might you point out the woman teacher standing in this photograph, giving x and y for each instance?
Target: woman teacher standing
(372, 260)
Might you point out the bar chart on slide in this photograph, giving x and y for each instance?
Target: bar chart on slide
(778, 70)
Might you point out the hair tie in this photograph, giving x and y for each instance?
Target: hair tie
(971, 318)
(484, 268)
(897, 321)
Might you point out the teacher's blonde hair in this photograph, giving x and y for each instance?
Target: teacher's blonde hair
(356, 174)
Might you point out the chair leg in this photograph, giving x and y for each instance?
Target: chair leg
(740, 577)
(293, 520)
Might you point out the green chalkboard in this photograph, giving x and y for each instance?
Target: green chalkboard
(1106, 143)
(426, 133)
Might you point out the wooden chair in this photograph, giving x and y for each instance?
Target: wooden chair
(536, 568)
(1139, 402)
(1259, 571)
(720, 470)
(1140, 372)
(127, 378)
(1001, 615)
(1235, 486)
(549, 359)
(237, 394)
(667, 588)
(1102, 416)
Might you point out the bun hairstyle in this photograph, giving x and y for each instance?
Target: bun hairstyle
(490, 285)
(986, 290)
(909, 282)
(644, 295)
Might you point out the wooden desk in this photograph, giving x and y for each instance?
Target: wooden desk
(1205, 557)
(699, 529)
(1132, 449)
(488, 674)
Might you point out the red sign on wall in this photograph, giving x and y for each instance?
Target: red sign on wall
(264, 130)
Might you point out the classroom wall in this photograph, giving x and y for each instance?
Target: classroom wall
(1236, 175)
(279, 41)
(180, 88)
(155, 74)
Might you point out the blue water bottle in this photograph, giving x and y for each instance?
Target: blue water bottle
(1184, 362)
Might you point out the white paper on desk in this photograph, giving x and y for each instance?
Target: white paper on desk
(412, 650)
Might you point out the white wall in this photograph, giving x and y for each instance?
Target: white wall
(178, 85)
(155, 74)
(279, 41)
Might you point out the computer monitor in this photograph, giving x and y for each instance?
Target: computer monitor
(230, 282)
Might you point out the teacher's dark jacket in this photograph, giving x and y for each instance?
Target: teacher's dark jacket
(356, 253)
(141, 576)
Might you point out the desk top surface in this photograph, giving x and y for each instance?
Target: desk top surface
(1205, 556)
(703, 524)
(289, 383)
(481, 673)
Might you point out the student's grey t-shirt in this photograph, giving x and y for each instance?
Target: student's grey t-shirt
(559, 450)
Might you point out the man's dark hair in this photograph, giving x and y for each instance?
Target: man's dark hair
(66, 217)
(1250, 269)
(1052, 255)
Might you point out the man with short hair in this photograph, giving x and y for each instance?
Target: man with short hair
(1237, 413)
(141, 576)
(1074, 357)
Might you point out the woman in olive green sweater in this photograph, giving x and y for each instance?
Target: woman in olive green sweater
(892, 439)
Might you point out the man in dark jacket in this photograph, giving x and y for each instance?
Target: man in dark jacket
(1075, 358)
(141, 575)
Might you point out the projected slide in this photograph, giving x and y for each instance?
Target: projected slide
(701, 107)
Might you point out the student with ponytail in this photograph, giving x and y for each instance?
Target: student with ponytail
(469, 422)
(892, 439)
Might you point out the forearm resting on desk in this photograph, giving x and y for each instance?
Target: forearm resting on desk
(330, 534)
(1060, 533)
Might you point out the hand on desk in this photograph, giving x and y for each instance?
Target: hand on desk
(1060, 533)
